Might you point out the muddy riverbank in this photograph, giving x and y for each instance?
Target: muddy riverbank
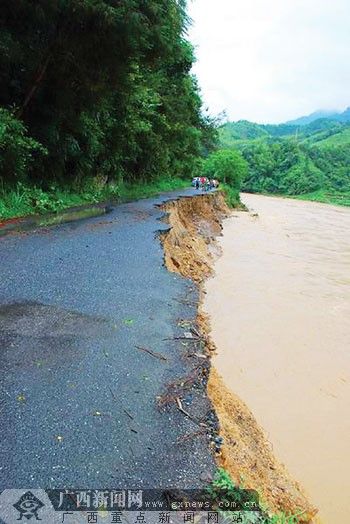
(279, 304)
(190, 249)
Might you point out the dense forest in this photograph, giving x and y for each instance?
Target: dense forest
(96, 92)
(311, 159)
(97, 96)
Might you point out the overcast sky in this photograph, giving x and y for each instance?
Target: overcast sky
(272, 60)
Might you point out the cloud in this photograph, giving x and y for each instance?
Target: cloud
(272, 60)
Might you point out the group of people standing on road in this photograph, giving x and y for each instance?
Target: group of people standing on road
(204, 183)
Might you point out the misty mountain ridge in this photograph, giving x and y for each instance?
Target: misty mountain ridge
(317, 115)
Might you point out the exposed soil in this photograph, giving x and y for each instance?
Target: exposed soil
(190, 243)
(247, 455)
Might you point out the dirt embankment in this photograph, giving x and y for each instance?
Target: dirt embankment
(246, 454)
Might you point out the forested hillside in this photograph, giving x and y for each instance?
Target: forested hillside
(312, 159)
(95, 91)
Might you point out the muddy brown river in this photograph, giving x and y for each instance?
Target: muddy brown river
(280, 314)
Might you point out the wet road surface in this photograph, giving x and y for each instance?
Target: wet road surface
(78, 399)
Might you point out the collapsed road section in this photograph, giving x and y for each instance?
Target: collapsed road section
(246, 453)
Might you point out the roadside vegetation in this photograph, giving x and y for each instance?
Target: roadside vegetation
(232, 196)
(311, 162)
(224, 491)
(23, 199)
(327, 197)
(230, 169)
(97, 101)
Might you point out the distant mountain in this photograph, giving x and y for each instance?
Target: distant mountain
(241, 130)
(304, 120)
(345, 116)
(310, 155)
(317, 115)
(245, 129)
(237, 134)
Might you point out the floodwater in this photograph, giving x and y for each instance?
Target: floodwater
(280, 314)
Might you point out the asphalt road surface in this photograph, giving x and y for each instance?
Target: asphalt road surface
(78, 399)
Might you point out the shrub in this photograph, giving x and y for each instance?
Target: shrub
(227, 166)
(17, 149)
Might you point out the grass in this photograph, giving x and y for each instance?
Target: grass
(24, 200)
(223, 490)
(327, 197)
(232, 196)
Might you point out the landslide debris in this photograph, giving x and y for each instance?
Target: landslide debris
(190, 250)
(195, 223)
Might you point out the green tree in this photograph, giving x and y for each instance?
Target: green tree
(228, 166)
(18, 151)
(105, 86)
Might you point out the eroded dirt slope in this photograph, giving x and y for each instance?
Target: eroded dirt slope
(195, 222)
(247, 454)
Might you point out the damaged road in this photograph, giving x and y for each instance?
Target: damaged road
(93, 339)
